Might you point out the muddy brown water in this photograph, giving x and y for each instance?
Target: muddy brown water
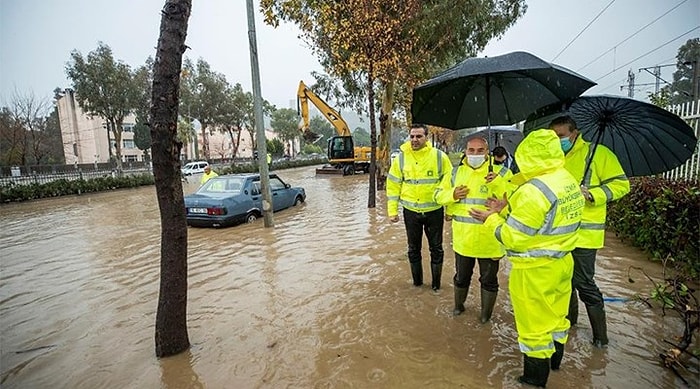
(323, 300)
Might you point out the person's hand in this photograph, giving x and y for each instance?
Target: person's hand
(480, 214)
(490, 177)
(448, 217)
(496, 204)
(394, 218)
(586, 193)
(460, 192)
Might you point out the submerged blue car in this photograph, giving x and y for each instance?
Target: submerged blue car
(233, 199)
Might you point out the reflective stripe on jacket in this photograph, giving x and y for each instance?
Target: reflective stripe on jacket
(545, 216)
(413, 178)
(470, 237)
(606, 182)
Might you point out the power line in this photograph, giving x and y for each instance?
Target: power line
(582, 31)
(629, 37)
(647, 53)
(612, 85)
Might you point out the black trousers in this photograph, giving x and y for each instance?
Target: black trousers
(583, 281)
(430, 222)
(488, 272)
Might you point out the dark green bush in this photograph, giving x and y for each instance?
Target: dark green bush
(277, 165)
(661, 217)
(14, 192)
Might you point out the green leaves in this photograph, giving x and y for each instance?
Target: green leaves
(661, 216)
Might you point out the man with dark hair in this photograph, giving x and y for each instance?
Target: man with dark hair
(413, 177)
(603, 182)
(502, 157)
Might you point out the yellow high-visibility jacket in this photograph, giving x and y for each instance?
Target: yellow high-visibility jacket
(206, 177)
(606, 182)
(545, 211)
(469, 236)
(413, 178)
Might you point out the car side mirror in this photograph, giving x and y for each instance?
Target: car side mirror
(287, 186)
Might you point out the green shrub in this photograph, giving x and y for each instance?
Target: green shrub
(13, 192)
(662, 217)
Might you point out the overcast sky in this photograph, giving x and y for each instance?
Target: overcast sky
(37, 36)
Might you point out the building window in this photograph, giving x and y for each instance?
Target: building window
(75, 149)
(128, 143)
(128, 127)
(131, 158)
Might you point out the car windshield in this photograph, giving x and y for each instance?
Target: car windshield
(222, 185)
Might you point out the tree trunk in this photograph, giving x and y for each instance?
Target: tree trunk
(372, 199)
(117, 131)
(171, 319)
(205, 142)
(385, 126)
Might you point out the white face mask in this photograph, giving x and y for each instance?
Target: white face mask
(475, 160)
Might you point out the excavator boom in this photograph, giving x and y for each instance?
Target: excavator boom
(343, 157)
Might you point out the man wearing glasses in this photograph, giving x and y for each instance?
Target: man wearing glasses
(413, 177)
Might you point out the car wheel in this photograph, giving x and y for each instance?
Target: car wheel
(348, 170)
(298, 201)
(251, 217)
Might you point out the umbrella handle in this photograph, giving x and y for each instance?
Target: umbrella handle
(601, 129)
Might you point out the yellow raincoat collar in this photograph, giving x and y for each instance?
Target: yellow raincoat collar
(406, 148)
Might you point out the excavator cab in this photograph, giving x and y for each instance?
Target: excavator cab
(341, 148)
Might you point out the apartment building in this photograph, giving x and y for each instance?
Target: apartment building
(86, 139)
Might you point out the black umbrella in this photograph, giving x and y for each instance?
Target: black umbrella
(494, 90)
(646, 139)
(507, 136)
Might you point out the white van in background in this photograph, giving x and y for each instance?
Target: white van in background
(194, 167)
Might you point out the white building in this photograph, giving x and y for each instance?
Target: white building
(85, 138)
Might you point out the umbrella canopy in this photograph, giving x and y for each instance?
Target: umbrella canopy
(507, 136)
(647, 139)
(494, 90)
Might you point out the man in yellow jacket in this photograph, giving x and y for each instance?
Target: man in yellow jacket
(468, 187)
(413, 177)
(604, 181)
(208, 174)
(539, 234)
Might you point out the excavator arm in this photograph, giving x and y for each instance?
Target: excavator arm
(304, 94)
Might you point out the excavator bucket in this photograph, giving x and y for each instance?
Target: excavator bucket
(310, 136)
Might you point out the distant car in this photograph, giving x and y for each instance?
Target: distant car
(194, 168)
(233, 199)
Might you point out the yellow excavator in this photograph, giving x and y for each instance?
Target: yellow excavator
(343, 157)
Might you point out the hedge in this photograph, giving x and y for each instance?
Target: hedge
(662, 217)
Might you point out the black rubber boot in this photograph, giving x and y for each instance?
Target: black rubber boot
(536, 371)
(488, 300)
(436, 272)
(573, 308)
(555, 360)
(596, 314)
(417, 273)
(460, 298)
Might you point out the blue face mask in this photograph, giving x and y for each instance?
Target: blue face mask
(566, 144)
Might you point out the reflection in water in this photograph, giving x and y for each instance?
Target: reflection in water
(176, 372)
(323, 300)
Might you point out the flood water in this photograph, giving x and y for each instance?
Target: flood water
(323, 300)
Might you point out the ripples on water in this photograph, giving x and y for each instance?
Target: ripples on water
(323, 300)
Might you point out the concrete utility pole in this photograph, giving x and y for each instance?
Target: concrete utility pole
(630, 81)
(696, 79)
(259, 125)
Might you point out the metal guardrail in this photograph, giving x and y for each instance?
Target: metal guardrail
(43, 178)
